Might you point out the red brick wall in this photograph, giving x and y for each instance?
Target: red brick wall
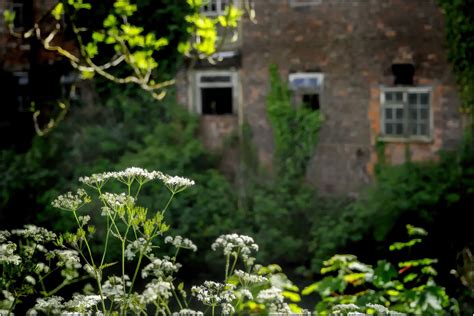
(354, 43)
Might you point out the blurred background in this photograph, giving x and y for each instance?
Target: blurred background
(318, 127)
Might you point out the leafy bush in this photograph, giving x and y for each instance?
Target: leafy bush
(407, 286)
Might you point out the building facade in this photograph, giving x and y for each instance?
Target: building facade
(377, 71)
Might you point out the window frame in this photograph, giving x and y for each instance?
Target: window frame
(198, 85)
(303, 3)
(218, 10)
(407, 136)
(298, 93)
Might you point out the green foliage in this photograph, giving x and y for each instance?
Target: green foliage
(438, 195)
(459, 23)
(295, 129)
(274, 206)
(412, 289)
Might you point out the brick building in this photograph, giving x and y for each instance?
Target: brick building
(377, 70)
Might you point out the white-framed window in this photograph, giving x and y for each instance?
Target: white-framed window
(302, 3)
(216, 92)
(216, 7)
(406, 113)
(307, 88)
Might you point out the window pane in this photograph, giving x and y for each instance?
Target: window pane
(389, 129)
(399, 96)
(216, 100)
(424, 98)
(388, 114)
(412, 98)
(413, 114)
(399, 113)
(424, 114)
(215, 79)
(388, 96)
(423, 129)
(399, 129)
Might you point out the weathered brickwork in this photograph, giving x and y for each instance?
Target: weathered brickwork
(354, 44)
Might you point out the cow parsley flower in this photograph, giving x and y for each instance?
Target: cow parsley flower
(180, 242)
(342, 309)
(96, 180)
(82, 303)
(38, 234)
(48, 305)
(234, 244)
(114, 288)
(176, 184)
(188, 312)
(71, 201)
(7, 254)
(67, 258)
(117, 201)
(157, 289)
(160, 268)
(378, 308)
(4, 234)
(247, 279)
(213, 294)
(274, 300)
(137, 246)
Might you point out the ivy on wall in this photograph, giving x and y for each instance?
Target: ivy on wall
(295, 128)
(459, 20)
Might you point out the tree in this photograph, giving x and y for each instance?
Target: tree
(125, 42)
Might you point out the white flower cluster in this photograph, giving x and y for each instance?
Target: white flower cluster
(345, 308)
(71, 201)
(114, 288)
(4, 234)
(248, 278)
(180, 242)
(160, 268)
(137, 246)
(234, 244)
(38, 234)
(82, 303)
(176, 184)
(157, 289)
(188, 312)
(117, 201)
(54, 304)
(49, 305)
(215, 294)
(7, 254)
(67, 258)
(274, 300)
(245, 293)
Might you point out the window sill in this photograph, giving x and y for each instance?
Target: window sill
(392, 139)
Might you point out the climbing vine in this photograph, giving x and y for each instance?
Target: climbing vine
(295, 128)
(459, 20)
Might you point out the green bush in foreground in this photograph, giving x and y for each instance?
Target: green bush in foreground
(407, 286)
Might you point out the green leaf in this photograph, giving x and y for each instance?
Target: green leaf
(294, 297)
(110, 21)
(310, 288)
(413, 231)
(401, 245)
(58, 11)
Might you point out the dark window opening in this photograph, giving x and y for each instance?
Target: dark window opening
(403, 74)
(311, 101)
(216, 100)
